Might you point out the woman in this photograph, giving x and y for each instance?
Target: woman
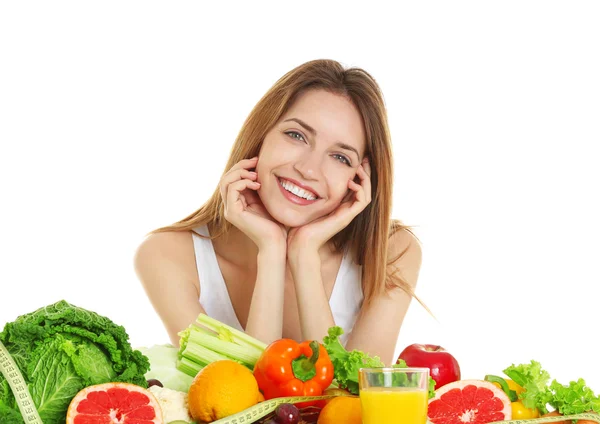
(298, 235)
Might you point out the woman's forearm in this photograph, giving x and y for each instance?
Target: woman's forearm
(265, 318)
(313, 305)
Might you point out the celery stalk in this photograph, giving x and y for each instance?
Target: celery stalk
(188, 366)
(230, 334)
(209, 340)
(201, 354)
(247, 355)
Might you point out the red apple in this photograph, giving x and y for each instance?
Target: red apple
(443, 367)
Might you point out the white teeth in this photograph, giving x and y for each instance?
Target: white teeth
(292, 188)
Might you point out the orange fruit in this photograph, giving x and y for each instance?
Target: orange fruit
(124, 402)
(341, 409)
(221, 389)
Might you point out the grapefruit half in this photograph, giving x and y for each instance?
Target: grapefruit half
(469, 401)
(114, 403)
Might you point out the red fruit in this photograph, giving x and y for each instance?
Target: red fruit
(443, 367)
(469, 401)
(125, 402)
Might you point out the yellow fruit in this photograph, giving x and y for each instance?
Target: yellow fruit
(220, 389)
(341, 409)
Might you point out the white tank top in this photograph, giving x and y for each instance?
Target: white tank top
(345, 301)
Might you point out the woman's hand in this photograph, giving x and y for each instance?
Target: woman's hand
(310, 237)
(244, 209)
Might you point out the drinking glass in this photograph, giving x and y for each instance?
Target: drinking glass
(393, 395)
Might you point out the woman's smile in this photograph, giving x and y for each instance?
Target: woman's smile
(294, 193)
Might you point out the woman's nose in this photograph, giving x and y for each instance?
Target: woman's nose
(308, 166)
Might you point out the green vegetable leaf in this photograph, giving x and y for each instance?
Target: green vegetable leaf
(163, 367)
(89, 361)
(574, 398)
(534, 381)
(431, 387)
(346, 364)
(54, 381)
(62, 348)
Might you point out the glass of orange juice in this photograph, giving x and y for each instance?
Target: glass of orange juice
(393, 395)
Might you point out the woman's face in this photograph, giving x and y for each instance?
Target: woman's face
(308, 157)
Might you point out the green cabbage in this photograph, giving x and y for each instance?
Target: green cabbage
(60, 349)
(163, 367)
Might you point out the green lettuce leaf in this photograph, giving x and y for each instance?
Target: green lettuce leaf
(54, 381)
(163, 367)
(573, 398)
(62, 348)
(534, 381)
(347, 364)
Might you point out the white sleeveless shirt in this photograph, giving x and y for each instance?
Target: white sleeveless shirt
(345, 301)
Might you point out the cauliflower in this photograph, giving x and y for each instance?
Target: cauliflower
(173, 404)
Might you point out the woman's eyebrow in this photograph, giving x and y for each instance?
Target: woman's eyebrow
(304, 124)
(314, 133)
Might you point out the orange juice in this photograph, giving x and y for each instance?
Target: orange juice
(385, 405)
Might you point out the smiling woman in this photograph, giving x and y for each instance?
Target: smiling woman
(298, 237)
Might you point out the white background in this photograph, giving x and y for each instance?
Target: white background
(117, 118)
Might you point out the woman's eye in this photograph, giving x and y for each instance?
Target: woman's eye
(292, 133)
(342, 159)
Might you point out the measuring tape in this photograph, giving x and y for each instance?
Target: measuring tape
(584, 416)
(261, 410)
(17, 384)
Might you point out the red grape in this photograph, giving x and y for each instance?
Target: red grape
(154, 382)
(286, 413)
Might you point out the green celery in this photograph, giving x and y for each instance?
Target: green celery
(232, 350)
(188, 366)
(208, 340)
(230, 334)
(201, 354)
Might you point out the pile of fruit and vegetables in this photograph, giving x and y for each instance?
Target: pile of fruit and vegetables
(79, 368)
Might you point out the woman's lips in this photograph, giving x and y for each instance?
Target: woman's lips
(293, 198)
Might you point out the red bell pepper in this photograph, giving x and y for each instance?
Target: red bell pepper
(289, 368)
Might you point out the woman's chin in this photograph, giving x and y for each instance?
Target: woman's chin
(290, 218)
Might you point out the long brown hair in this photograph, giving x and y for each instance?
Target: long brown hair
(368, 234)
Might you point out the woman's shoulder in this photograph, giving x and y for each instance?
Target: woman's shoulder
(166, 249)
(166, 241)
(402, 238)
(405, 253)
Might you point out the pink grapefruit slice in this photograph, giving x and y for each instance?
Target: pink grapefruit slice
(114, 403)
(469, 401)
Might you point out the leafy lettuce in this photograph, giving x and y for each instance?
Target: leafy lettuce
(60, 349)
(346, 364)
(573, 398)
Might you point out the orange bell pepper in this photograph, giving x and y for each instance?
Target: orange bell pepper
(289, 368)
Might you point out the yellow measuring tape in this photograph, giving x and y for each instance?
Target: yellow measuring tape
(17, 384)
(261, 410)
(584, 416)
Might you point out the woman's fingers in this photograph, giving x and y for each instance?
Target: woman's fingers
(245, 164)
(233, 176)
(235, 201)
(364, 173)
